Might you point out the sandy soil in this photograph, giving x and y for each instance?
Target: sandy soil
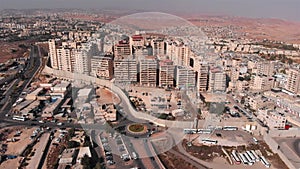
(106, 96)
(11, 164)
(15, 148)
(255, 28)
(6, 52)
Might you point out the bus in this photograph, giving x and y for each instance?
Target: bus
(19, 118)
(235, 157)
(265, 162)
(255, 155)
(231, 128)
(189, 131)
(253, 159)
(209, 141)
(243, 158)
(255, 140)
(204, 131)
(248, 159)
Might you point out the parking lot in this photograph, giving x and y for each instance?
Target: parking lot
(117, 152)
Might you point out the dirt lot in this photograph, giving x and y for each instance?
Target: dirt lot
(9, 50)
(106, 96)
(146, 94)
(171, 161)
(10, 164)
(15, 148)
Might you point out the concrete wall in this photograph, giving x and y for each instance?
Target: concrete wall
(292, 132)
(274, 147)
(140, 115)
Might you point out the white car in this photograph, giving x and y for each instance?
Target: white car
(57, 140)
(59, 124)
(134, 156)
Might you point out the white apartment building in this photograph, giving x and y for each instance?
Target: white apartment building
(166, 73)
(293, 81)
(52, 54)
(272, 118)
(217, 80)
(82, 61)
(266, 68)
(125, 70)
(179, 53)
(184, 77)
(202, 69)
(158, 46)
(123, 49)
(65, 58)
(262, 83)
(148, 71)
(102, 67)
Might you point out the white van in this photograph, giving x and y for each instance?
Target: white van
(134, 155)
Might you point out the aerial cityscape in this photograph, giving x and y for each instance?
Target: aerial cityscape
(138, 88)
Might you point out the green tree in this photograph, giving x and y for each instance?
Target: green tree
(86, 162)
(73, 144)
(98, 166)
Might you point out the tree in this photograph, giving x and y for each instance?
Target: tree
(73, 144)
(71, 133)
(98, 166)
(86, 162)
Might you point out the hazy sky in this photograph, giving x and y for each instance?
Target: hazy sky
(284, 9)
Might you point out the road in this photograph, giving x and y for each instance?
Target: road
(132, 114)
(32, 67)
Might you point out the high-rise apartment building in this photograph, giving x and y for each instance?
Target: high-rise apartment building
(181, 55)
(234, 74)
(125, 70)
(202, 69)
(62, 57)
(148, 71)
(185, 78)
(293, 81)
(166, 73)
(266, 68)
(65, 57)
(52, 54)
(217, 80)
(137, 41)
(122, 49)
(82, 60)
(158, 46)
(262, 83)
(102, 67)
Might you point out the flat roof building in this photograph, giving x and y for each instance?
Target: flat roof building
(293, 81)
(102, 67)
(217, 80)
(272, 118)
(166, 73)
(125, 70)
(184, 77)
(148, 71)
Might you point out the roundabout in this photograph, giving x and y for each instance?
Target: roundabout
(137, 129)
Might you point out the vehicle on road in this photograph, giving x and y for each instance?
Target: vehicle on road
(19, 118)
(60, 124)
(134, 155)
